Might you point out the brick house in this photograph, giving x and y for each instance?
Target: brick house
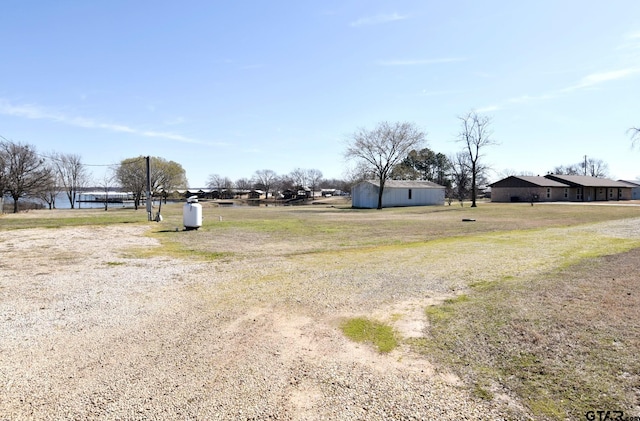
(557, 188)
(525, 188)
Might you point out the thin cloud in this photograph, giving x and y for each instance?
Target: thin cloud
(631, 41)
(586, 82)
(598, 78)
(488, 109)
(378, 19)
(422, 62)
(34, 112)
(437, 93)
(530, 98)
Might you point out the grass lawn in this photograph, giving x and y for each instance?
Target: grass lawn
(545, 301)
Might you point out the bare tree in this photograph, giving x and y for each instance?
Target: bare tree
(383, 147)
(227, 188)
(265, 179)
(215, 182)
(595, 168)
(475, 135)
(71, 173)
(314, 177)
(48, 191)
(635, 135)
(3, 176)
(358, 173)
(286, 181)
(589, 166)
(508, 172)
(106, 183)
(461, 174)
(243, 184)
(299, 177)
(25, 170)
(223, 185)
(573, 169)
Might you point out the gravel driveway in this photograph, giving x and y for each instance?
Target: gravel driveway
(91, 332)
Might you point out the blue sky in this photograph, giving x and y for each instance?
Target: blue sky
(229, 88)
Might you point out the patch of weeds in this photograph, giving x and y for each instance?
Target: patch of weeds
(396, 316)
(177, 250)
(444, 311)
(481, 285)
(482, 392)
(115, 263)
(546, 407)
(361, 329)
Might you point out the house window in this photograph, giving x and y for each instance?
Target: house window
(579, 193)
(610, 193)
(409, 194)
(548, 193)
(566, 193)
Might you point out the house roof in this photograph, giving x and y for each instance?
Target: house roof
(631, 183)
(527, 181)
(586, 181)
(406, 184)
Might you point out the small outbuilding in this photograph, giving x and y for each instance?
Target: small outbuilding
(397, 193)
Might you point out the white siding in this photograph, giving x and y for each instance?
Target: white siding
(365, 195)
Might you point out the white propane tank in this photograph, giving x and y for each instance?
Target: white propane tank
(192, 214)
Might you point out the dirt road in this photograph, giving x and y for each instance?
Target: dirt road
(89, 331)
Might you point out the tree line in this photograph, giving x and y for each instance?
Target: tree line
(270, 182)
(388, 151)
(396, 151)
(27, 174)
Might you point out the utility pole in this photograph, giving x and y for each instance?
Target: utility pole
(149, 188)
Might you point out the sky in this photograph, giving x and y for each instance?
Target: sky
(230, 88)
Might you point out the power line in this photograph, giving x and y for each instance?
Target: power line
(55, 158)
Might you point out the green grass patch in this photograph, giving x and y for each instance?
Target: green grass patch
(178, 250)
(482, 392)
(380, 335)
(446, 310)
(71, 218)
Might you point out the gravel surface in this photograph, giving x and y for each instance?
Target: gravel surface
(89, 331)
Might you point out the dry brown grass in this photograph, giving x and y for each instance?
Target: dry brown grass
(563, 342)
(543, 300)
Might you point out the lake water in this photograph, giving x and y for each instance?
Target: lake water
(62, 202)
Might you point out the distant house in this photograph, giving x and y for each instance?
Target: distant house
(635, 188)
(255, 194)
(397, 193)
(586, 189)
(555, 188)
(528, 188)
